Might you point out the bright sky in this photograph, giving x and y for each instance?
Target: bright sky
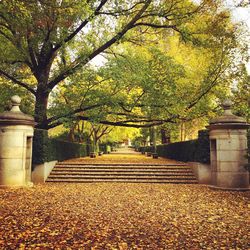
(239, 14)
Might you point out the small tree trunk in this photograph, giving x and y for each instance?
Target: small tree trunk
(165, 136)
(71, 135)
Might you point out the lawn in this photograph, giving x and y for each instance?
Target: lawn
(123, 216)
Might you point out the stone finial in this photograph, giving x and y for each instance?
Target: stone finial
(228, 117)
(227, 104)
(15, 101)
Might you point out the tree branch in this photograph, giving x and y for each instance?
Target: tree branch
(80, 27)
(73, 112)
(158, 26)
(96, 52)
(216, 73)
(13, 79)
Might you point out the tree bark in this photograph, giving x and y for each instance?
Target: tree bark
(43, 91)
(41, 108)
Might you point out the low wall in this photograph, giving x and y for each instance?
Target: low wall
(201, 171)
(42, 171)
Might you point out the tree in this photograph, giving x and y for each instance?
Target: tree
(241, 94)
(44, 43)
(97, 131)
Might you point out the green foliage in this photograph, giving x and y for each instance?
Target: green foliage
(166, 60)
(66, 150)
(40, 147)
(247, 166)
(7, 90)
(241, 94)
(47, 149)
(194, 150)
(105, 148)
(202, 152)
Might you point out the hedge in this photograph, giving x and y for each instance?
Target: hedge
(105, 148)
(193, 150)
(46, 149)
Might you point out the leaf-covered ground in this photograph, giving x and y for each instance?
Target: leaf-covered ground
(123, 216)
(122, 158)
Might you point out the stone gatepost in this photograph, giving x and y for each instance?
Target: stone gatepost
(16, 132)
(228, 147)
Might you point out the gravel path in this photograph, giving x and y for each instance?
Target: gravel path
(123, 216)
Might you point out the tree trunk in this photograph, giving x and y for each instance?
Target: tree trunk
(71, 135)
(165, 136)
(42, 93)
(182, 130)
(41, 105)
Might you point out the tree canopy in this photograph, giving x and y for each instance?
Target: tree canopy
(164, 59)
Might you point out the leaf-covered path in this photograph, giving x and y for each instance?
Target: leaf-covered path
(122, 158)
(123, 216)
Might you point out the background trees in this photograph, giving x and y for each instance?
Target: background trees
(166, 61)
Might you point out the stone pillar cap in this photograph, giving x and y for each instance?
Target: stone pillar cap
(228, 120)
(15, 116)
(228, 116)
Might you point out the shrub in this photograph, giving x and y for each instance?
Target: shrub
(40, 146)
(194, 150)
(47, 149)
(247, 166)
(62, 150)
(202, 153)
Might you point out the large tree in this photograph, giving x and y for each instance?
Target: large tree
(44, 43)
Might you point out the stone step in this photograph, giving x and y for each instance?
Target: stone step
(169, 181)
(149, 170)
(120, 177)
(122, 173)
(146, 173)
(123, 167)
(118, 164)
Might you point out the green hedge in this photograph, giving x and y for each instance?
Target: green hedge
(46, 149)
(40, 146)
(247, 166)
(194, 150)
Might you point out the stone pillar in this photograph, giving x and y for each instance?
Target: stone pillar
(228, 147)
(16, 132)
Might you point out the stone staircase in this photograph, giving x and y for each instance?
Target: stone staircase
(138, 173)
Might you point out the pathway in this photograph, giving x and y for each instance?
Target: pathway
(125, 150)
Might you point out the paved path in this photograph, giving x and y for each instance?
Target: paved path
(125, 150)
